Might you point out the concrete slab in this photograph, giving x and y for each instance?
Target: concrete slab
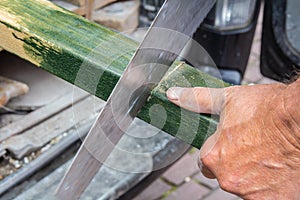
(190, 190)
(220, 195)
(211, 183)
(154, 191)
(184, 168)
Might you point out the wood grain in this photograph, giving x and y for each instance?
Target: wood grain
(89, 7)
(78, 51)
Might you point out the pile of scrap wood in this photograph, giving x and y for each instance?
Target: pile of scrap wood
(118, 15)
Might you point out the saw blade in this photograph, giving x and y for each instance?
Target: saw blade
(173, 27)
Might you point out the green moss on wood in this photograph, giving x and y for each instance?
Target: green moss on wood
(93, 58)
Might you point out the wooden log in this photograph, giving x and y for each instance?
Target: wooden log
(79, 51)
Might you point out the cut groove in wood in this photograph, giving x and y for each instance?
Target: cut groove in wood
(78, 51)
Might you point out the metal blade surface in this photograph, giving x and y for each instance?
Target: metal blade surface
(165, 39)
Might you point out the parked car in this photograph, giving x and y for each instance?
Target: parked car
(228, 30)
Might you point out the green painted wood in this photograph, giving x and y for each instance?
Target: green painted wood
(93, 58)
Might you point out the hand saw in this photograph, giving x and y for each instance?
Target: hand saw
(173, 27)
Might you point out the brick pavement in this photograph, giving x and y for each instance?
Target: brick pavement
(156, 190)
(185, 181)
(177, 174)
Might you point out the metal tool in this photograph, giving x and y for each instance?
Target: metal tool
(165, 39)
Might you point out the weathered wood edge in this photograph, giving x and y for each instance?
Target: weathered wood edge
(79, 51)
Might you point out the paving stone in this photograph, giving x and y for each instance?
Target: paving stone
(190, 190)
(258, 32)
(154, 191)
(185, 167)
(211, 183)
(256, 46)
(238, 198)
(266, 80)
(195, 155)
(253, 74)
(259, 25)
(220, 195)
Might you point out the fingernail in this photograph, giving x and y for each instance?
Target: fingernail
(173, 93)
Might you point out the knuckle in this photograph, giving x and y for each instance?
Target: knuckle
(210, 160)
(231, 182)
(228, 183)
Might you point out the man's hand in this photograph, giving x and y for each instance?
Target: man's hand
(255, 152)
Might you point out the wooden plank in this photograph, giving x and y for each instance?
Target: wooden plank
(77, 2)
(38, 136)
(121, 16)
(40, 115)
(96, 5)
(78, 51)
(89, 6)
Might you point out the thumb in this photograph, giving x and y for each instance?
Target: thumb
(198, 99)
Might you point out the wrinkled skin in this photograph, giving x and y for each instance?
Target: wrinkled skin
(255, 152)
